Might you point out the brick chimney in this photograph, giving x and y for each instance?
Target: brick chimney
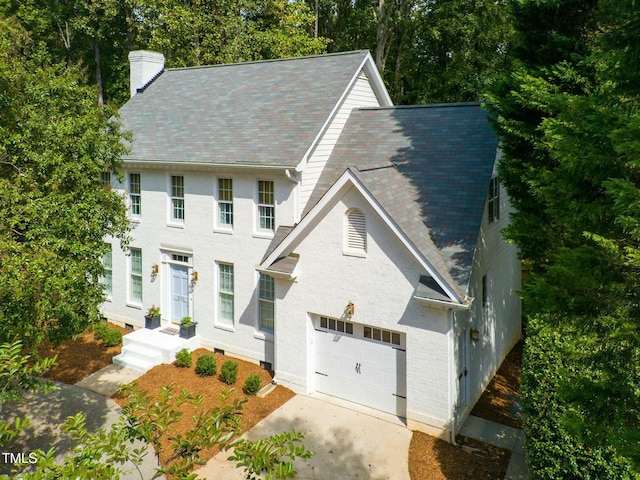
(144, 66)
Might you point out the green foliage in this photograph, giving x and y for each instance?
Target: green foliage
(252, 384)
(272, 456)
(206, 365)
(556, 443)
(112, 337)
(186, 321)
(54, 144)
(153, 311)
(183, 358)
(20, 373)
(229, 372)
(99, 330)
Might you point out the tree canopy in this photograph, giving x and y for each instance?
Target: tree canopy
(55, 144)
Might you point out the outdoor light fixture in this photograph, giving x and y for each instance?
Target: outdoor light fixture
(194, 277)
(475, 335)
(350, 310)
(154, 269)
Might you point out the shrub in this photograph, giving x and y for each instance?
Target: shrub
(206, 365)
(183, 358)
(229, 372)
(112, 337)
(252, 384)
(99, 330)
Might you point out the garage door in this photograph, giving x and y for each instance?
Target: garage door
(362, 364)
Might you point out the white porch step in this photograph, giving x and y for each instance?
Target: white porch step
(144, 349)
(136, 364)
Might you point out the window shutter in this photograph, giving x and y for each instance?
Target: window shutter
(356, 231)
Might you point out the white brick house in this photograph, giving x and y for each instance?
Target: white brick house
(305, 222)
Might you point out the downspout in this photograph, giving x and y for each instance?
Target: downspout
(452, 385)
(295, 178)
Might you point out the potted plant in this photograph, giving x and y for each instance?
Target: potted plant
(187, 328)
(152, 318)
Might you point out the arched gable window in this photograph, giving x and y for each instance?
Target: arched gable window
(356, 235)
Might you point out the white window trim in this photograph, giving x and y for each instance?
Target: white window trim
(108, 294)
(347, 249)
(494, 201)
(218, 284)
(217, 225)
(133, 302)
(259, 333)
(171, 221)
(135, 216)
(258, 231)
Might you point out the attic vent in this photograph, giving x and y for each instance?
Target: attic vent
(356, 231)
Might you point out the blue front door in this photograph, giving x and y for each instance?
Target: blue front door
(179, 292)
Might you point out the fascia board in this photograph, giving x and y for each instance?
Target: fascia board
(331, 198)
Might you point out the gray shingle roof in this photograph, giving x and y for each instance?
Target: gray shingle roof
(265, 113)
(429, 167)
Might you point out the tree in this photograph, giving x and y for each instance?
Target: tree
(568, 123)
(147, 420)
(55, 146)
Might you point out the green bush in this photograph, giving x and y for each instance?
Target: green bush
(99, 330)
(252, 384)
(183, 358)
(206, 365)
(554, 451)
(229, 372)
(112, 337)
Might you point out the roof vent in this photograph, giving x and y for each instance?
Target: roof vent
(144, 67)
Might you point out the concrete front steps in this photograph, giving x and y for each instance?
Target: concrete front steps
(144, 349)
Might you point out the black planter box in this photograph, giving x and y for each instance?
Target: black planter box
(188, 332)
(151, 322)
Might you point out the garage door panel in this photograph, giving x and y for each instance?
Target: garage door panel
(362, 371)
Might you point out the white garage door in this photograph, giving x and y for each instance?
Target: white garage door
(356, 363)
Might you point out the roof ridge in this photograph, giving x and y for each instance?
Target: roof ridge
(271, 60)
(430, 105)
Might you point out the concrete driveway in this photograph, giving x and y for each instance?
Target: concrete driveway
(47, 414)
(347, 444)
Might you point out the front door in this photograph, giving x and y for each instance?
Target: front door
(179, 292)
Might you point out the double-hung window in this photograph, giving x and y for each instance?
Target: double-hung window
(225, 293)
(266, 303)
(494, 200)
(177, 198)
(266, 205)
(135, 268)
(105, 179)
(225, 202)
(134, 194)
(107, 264)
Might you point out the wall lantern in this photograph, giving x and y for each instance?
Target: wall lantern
(154, 269)
(475, 335)
(194, 277)
(351, 309)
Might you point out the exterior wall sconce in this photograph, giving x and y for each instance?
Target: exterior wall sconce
(194, 277)
(154, 269)
(475, 335)
(351, 309)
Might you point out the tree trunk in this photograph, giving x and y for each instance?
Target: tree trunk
(382, 34)
(96, 50)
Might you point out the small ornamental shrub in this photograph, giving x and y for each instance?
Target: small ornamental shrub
(99, 330)
(112, 337)
(252, 384)
(206, 366)
(229, 372)
(183, 358)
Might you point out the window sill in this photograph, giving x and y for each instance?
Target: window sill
(131, 304)
(260, 335)
(225, 327)
(175, 225)
(226, 231)
(267, 234)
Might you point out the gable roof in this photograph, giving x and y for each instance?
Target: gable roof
(428, 169)
(255, 113)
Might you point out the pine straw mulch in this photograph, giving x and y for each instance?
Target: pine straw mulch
(79, 358)
(254, 410)
(429, 458)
